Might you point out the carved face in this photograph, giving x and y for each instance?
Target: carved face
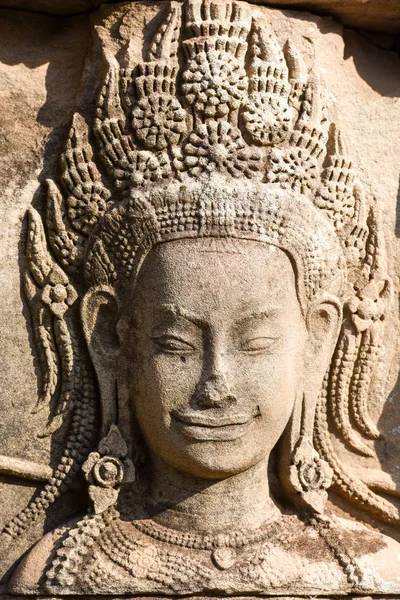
(213, 353)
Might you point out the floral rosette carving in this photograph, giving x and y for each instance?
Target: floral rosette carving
(267, 115)
(87, 205)
(217, 146)
(310, 475)
(215, 83)
(294, 169)
(159, 121)
(88, 199)
(299, 165)
(369, 305)
(107, 469)
(276, 85)
(140, 167)
(58, 294)
(266, 120)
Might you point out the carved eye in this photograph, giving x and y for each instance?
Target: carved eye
(173, 345)
(257, 345)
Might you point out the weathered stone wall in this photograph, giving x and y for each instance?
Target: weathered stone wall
(376, 15)
(40, 70)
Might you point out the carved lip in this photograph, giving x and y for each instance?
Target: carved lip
(208, 419)
(214, 426)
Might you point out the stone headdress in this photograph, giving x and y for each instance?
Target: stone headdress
(218, 132)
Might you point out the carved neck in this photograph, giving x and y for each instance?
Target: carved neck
(182, 502)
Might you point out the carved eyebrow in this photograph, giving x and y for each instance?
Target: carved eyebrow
(258, 316)
(176, 311)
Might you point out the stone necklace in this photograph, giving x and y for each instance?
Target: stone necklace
(223, 547)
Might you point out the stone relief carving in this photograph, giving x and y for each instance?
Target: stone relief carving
(209, 292)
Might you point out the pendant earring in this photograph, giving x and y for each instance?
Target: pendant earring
(309, 475)
(107, 469)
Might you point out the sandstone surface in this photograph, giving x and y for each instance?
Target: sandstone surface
(375, 15)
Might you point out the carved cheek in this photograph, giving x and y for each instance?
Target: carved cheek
(176, 377)
(271, 381)
(161, 381)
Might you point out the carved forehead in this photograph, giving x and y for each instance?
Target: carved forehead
(205, 265)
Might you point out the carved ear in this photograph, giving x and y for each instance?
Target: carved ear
(303, 474)
(323, 322)
(99, 313)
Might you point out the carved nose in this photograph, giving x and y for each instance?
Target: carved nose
(214, 392)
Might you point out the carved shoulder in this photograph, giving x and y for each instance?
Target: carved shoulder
(376, 554)
(27, 579)
(382, 567)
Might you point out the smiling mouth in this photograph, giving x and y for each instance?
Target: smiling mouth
(214, 426)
